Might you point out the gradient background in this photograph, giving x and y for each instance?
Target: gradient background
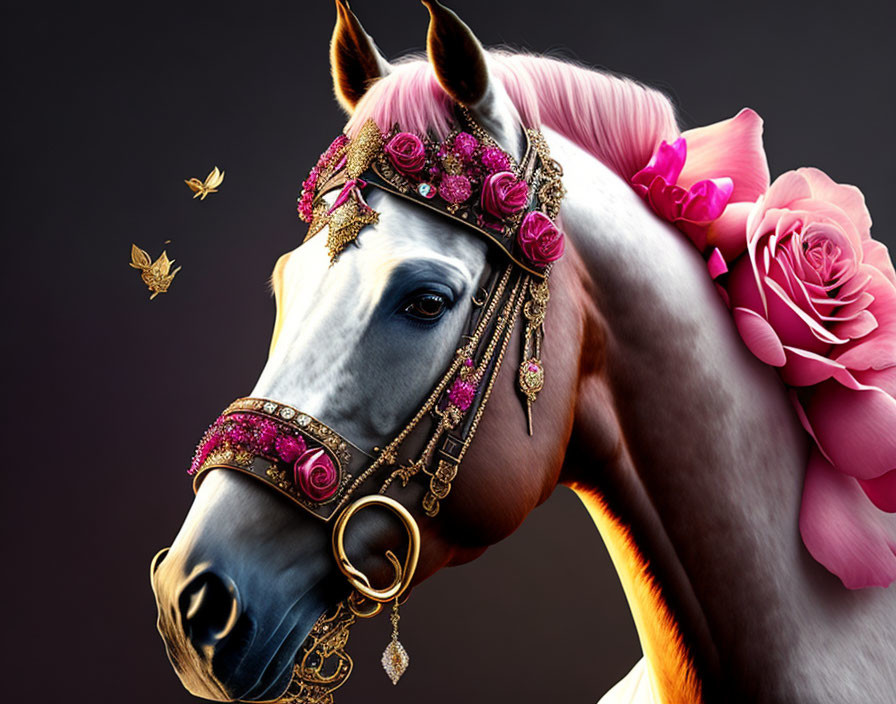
(108, 107)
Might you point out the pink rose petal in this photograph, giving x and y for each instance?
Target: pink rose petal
(843, 530)
(731, 148)
(804, 368)
(881, 491)
(856, 427)
(848, 198)
(729, 232)
(876, 254)
(666, 163)
(716, 264)
(759, 337)
(876, 351)
(858, 326)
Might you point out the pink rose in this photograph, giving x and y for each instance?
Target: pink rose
(706, 181)
(406, 152)
(816, 297)
(316, 475)
(503, 195)
(540, 239)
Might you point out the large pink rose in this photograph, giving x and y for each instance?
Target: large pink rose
(406, 152)
(540, 239)
(504, 195)
(816, 297)
(706, 181)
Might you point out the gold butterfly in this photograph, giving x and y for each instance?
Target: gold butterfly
(156, 275)
(212, 181)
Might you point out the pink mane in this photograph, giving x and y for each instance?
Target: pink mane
(617, 120)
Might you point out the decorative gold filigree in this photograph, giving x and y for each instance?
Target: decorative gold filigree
(201, 189)
(323, 666)
(157, 275)
(551, 191)
(363, 148)
(346, 223)
(530, 376)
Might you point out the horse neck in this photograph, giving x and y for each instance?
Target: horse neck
(697, 491)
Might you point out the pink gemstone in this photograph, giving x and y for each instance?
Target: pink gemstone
(462, 394)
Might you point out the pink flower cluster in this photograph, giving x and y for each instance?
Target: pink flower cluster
(309, 185)
(314, 473)
(460, 167)
(814, 295)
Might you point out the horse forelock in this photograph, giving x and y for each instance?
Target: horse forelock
(615, 119)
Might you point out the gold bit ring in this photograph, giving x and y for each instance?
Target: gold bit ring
(403, 573)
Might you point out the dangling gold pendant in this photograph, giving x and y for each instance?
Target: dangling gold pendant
(395, 657)
(531, 380)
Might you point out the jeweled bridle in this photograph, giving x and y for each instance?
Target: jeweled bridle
(312, 464)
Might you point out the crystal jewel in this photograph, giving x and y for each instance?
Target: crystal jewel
(303, 420)
(395, 660)
(269, 407)
(287, 413)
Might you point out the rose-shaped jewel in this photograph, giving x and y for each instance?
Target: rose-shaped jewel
(406, 152)
(815, 296)
(316, 475)
(454, 188)
(503, 195)
(540, 239)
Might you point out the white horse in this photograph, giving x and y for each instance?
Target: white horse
(681, 444)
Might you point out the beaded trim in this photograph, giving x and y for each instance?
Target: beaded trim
(291, 450)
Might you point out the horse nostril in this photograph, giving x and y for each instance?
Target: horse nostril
(209, 608)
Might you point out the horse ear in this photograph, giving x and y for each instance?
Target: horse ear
(355, 61)
(460, 65)
(456, 55)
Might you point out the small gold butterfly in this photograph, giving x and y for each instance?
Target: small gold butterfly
(212, 181)
(156, 275)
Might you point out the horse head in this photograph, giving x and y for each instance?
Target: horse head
(359, 344)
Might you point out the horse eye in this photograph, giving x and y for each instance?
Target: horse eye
(426, 306)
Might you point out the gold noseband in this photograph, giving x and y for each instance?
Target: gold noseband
(403, 574)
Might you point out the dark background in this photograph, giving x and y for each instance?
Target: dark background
(108, 107)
